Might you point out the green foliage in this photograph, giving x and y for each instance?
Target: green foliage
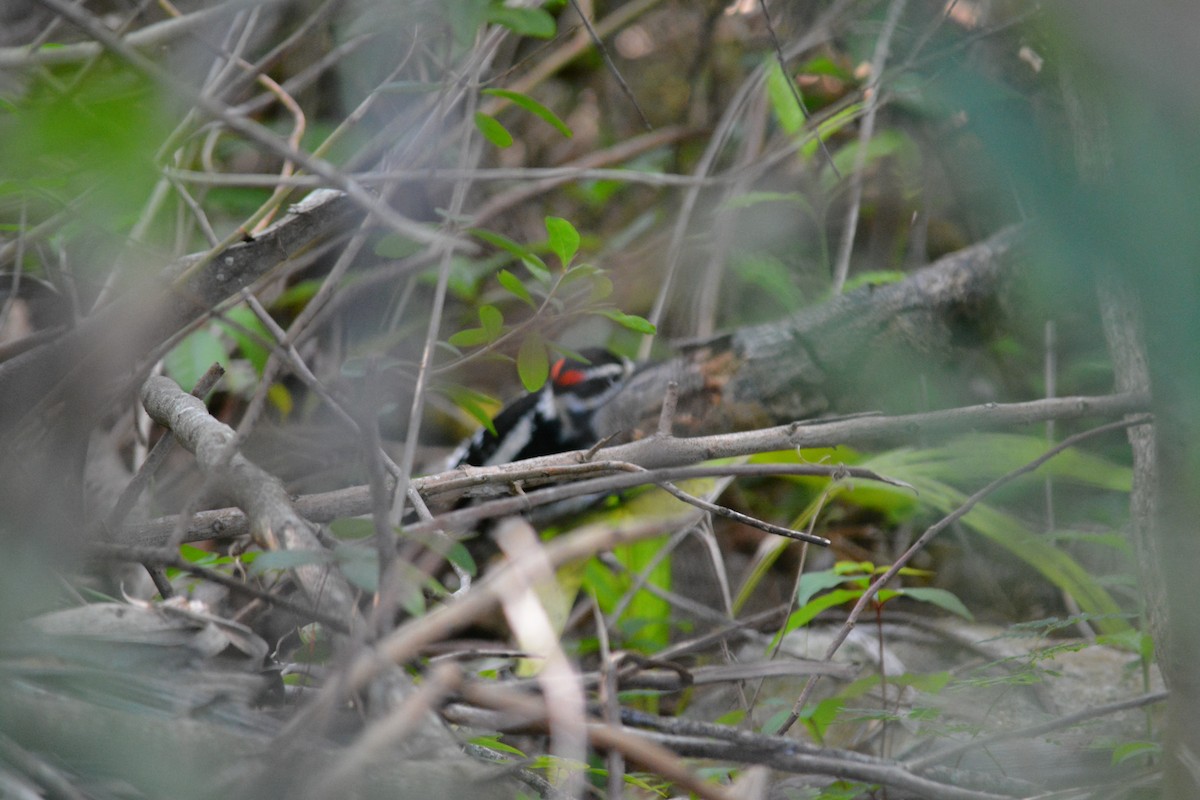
(533, 362)
(97, 140)
(531, 105)
(192, 357)
(492, 130)
(783, 102)
(564, 239)
(857, 578)
(575, 289)
(535, 22)
(974, 460)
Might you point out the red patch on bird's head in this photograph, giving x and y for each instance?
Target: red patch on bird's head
(562, 375)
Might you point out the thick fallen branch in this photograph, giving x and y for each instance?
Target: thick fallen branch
(273, 521)
(839, 356)
(658, 453)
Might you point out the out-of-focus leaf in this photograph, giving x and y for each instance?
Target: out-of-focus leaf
(533, 362)
(192, 357)
(491, 320)
(531, 105)
(938, 597)
(492, 130)
(632, 322)
(470, 337)
(250, 334)
(535, 22)
(783, 102)
(513, 284)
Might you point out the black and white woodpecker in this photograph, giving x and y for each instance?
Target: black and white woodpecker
(554, 419)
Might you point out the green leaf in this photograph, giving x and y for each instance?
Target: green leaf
(492, 741)
(527, 257)
(883, 144)
(783, 101)
(632, 322)
(531, 105)
(479, 414)
(829, 127)
(537, 268)
(491, 320)
(602, 287)
(535, 22)
(281, 398)
(492, 130)
(192, 357)
(938, 597)
(471, 337)
(979, 457)
(874, 278)
(823, 65)
(393, 245)
(533, 362)
(1129, 750)
(802, 616)
(811, 583)
(473, 403)
(580, 271)
(564, 239)
(458, 554)
(250, 334)
(288, 559)
(351, 528)
(513, 284)
(360, 565)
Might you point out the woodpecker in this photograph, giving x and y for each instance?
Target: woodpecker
(554, 419)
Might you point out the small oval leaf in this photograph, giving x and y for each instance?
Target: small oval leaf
(491, 320)
(504, 243)
(564, 239)
(535, 22)
(471, 337)
(513, 284)
(492, 130)
(533, 362)
(533, 107)
(632, 322)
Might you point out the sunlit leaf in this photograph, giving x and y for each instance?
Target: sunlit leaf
(564, 239)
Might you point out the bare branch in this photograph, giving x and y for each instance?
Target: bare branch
(274, 523)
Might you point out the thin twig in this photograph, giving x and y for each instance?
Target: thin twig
(170, 558)
(842, 266)
(616, 73)
(791, 84)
